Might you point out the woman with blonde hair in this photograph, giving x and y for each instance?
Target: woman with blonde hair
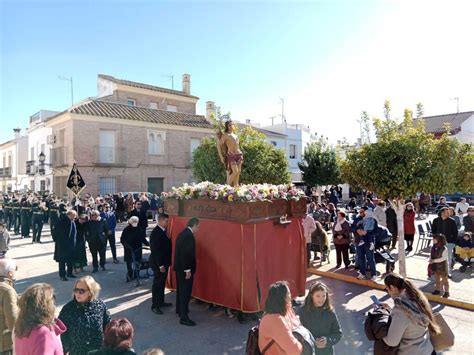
(36, 330)
(85, 317)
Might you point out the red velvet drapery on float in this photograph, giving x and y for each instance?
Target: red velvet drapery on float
(236, 263)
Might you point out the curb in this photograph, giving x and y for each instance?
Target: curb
(433, 298)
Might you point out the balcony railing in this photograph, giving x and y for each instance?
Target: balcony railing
(59, 157)
(111, 156)
(30, 167)
(6, 172)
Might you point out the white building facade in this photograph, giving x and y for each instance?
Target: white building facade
(297, 137)
(13, 156)
(40, 140)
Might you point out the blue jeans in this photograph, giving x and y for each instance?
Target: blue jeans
(450, 247)
(365, 256)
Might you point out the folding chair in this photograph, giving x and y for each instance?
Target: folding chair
(428, 227)
(424, 238)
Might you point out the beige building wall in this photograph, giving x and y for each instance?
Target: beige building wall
(134, 165)
(143, 100)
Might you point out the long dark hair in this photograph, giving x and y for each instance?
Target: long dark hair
(278, 298)
(308, 302)
(415, 295)
(440, 238)
(226, 126)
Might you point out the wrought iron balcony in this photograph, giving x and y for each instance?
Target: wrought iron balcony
(31, 169)
(6, 172)
(111, 156)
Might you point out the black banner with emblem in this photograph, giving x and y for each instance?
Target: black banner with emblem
(75, 182)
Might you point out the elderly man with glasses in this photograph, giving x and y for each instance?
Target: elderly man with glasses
(97, 238)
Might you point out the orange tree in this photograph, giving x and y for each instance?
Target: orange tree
(405, 160)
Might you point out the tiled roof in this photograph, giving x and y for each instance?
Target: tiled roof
(145, 86)
(261, 130)
(435, 124)
(121, 111)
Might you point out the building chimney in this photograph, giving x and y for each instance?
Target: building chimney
(17, 132)
(187, 84)
(210, 110)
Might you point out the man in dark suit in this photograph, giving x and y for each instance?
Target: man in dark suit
(160, 261)
(64, 237)
(185, 267)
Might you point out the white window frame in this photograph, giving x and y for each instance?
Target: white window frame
(158, 148)
(153, 105)
(294, 153)
(131, 100)
(112, 189)
(171, 108)
(191, 150)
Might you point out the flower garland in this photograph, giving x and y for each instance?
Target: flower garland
(244, 193)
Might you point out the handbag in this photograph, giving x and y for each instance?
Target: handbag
(306, 339)
(445, 339)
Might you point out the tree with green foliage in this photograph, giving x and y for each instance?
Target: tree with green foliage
(320, 165)
(263, 163)
(364, 127)
(419, 110)
(406, 160)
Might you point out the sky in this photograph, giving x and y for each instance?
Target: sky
(329, 60)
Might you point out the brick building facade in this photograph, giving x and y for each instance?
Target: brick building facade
(128, 146)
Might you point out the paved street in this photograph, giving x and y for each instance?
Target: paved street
(416, 266)
(215, 333)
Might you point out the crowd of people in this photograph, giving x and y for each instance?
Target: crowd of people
(360, 230)
(407, 328)
(84, 325)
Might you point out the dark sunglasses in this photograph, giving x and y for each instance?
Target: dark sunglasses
(80, 291)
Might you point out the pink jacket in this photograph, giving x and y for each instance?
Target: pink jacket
(279, 328)
(42, 340)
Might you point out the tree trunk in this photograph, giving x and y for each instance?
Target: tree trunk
(399, 207)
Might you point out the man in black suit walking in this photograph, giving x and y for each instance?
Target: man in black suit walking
(160, 261)
(185, 267)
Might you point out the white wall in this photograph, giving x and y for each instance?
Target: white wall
(298, 135)
(37, 136)
(466, 135)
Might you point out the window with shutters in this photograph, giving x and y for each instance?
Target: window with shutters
(156, 141)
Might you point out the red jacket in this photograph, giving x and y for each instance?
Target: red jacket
(409, 222)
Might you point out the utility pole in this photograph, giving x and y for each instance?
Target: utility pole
(172, 80)
(272, 117)
(361, 132)
(72, 87)
(457, 103)
(282, 101)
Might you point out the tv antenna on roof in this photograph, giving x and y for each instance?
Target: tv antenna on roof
(172, 80)
(457, 103)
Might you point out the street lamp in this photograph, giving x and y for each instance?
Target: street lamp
(41, 158)
(42, 163)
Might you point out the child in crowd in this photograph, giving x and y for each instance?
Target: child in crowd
(465, 250)
(439, 264)
(4, 239)
(319, 317)
(368, 225)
